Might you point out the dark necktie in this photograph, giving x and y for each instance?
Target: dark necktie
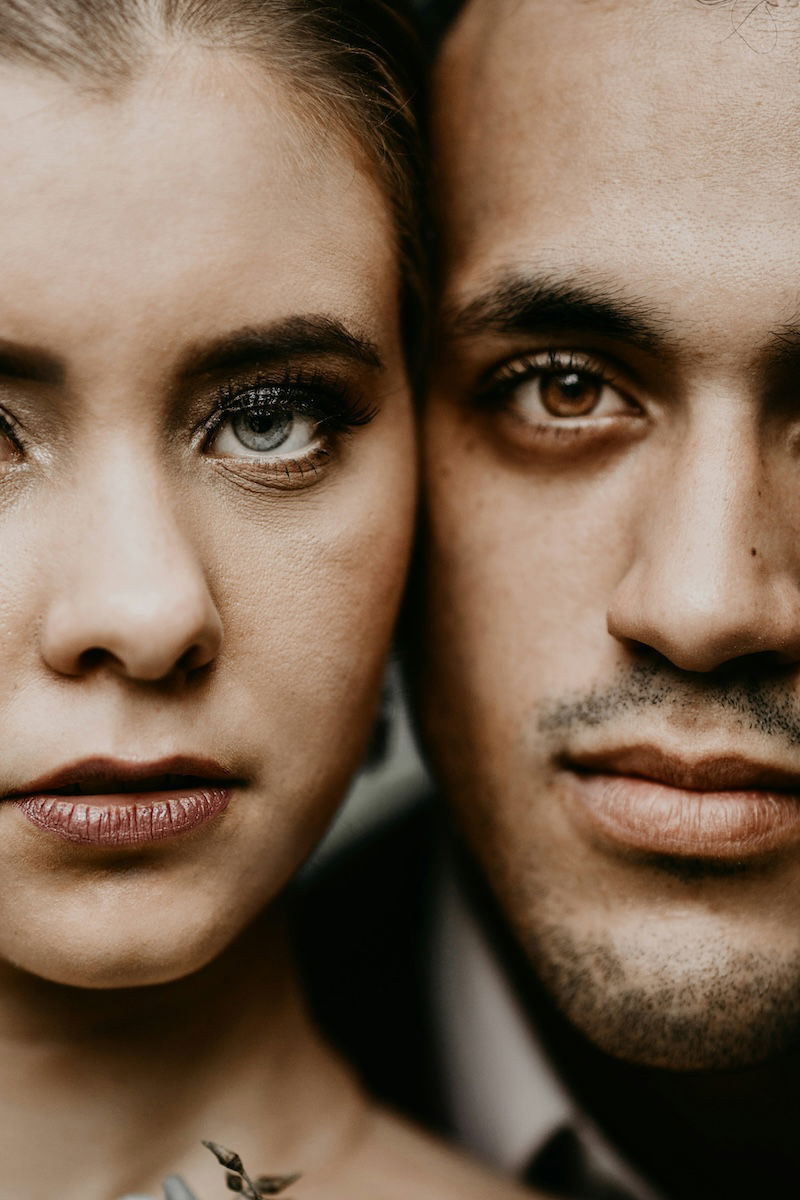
(561, 1168)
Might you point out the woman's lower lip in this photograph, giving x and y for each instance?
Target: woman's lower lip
(125, 818)
(647, 816)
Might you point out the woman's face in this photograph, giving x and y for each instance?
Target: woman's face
(206, 496)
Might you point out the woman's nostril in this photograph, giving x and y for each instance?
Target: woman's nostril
(95, 658)
(151, 640)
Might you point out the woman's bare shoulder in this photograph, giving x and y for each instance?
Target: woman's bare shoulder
(397, 1161)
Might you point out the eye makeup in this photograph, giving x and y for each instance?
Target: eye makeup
(283, 425)
(12, 447)
(277, 423)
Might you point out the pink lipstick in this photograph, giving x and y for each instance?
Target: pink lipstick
(115, 803)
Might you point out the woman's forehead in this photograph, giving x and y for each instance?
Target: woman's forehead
(194, 190)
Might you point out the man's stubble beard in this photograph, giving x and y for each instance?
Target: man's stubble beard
(684, 1000)
(691, 997)
(720, 1008)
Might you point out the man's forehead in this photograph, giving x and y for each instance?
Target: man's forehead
(703, 48)
(762, 24)
(554, 119)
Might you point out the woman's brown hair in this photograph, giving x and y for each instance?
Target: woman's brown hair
(355, 63)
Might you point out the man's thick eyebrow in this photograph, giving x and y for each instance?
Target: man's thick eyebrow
(18, 361)
(782, 348)
(306, 336)
(525, 304)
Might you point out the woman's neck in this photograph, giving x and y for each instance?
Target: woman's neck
(103, 1093)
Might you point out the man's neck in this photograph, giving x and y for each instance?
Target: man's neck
(692, 1135)
(105, 1093)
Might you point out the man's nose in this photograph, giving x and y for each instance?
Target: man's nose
(127, 589)
(713, 570)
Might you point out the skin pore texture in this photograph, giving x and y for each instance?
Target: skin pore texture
(189, 265)
(612, 576)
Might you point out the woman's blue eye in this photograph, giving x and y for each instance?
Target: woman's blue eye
(265, 433)
(262, 430)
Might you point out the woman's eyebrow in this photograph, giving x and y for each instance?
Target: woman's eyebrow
(31, 363)
(294, 336)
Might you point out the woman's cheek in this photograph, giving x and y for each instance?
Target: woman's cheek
(309, 606)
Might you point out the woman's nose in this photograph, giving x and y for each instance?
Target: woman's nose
(128, 590)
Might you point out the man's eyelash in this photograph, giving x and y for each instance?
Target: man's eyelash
(500, 381)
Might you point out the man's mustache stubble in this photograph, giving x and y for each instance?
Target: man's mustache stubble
(762, 699)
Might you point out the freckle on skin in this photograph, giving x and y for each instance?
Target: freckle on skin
(753, 551)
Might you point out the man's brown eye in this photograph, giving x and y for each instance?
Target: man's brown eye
(570, 393)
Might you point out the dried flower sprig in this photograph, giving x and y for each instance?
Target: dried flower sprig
(238, 1180)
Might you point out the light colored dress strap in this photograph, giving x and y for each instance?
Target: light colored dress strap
(174, 1189)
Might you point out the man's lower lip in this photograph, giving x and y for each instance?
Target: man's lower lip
(643, 815)
(125, 819)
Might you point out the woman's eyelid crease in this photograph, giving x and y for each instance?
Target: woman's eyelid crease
(325, 396)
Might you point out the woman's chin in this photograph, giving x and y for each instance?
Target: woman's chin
(140, 952)
(113, 965)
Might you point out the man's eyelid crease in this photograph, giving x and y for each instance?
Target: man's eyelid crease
(517, 370)
(557, 360)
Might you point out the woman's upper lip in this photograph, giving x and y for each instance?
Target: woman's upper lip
(719, 772)
(107, 772)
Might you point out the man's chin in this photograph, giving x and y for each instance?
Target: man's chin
(702, 1006)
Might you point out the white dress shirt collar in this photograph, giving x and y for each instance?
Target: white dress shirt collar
(505, 1098)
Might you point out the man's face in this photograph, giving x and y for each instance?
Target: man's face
(611, 690)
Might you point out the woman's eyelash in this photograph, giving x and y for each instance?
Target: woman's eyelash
(10, 428)
(330, 402)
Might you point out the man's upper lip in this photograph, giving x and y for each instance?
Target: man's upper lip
(107, 772)
(707, 773)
